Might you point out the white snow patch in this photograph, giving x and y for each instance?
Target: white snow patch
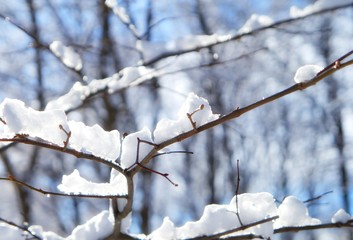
(67, 55)
(316, 7)
(130, 76)
(167, 128)
(293, 212)
(255, 22)
(94, 140)
(306, 73)
(75, 184)
(219, 218)
(130, 145)
(25, 120)
(98, 227)
(340, 216)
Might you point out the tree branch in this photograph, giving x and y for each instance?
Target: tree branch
(23, 228)
(49, 193)
(70, 151)
(241, 35)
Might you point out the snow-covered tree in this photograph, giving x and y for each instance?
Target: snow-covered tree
(175, 119)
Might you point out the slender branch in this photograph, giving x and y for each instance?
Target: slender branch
(137, 163)
(23, 228)
(70, 151)
(237, 193)
(348, 224)
(317, 197)
(241, 35)
(329, 70)
(172, 152)
(40, 44)
(44, 192)
(238, 229)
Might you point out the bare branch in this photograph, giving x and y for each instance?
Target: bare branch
(39, 44)
(238, 229)
(241, 35)
(329, 70)
(49, 193)
(70, 151)
(237, 193)
(23, 228)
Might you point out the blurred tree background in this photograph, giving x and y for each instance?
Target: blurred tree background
(299, 145)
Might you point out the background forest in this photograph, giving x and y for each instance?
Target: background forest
(300, 145)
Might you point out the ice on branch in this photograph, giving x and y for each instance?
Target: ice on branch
(67, 55)
(255, 22)
(127, 77)
(75, 184)
(130, 147)
(94, 140)
(306, 73)
(219, 218)
(341, 216)
(293, 212)
(201, 114)
(317, 6)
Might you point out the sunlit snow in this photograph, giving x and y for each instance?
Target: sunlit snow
(52, 126)
(167, 128)
(24, 120)
(316, 7)
(67, 55)
(341, 216)
(127, 77)
(255, 22)
(219, 218)
(130, 147)
(75, 184)
(293, 212)
(306, 73)
(94, 140)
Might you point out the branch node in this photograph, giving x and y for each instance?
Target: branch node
(68, 135)
(189, 115)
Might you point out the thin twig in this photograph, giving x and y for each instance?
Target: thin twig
(318, 197)
(238, 229)
(49, 193)
(68, 135)
(189, 115)
(23, 228)
(172, 152)
(137, 163)
(237, 193)
(70, 151)
(238, 36)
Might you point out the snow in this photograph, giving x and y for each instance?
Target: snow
(94, 140)
(75, 184)
(67, 55)
(45, 125)
(127, 77)
(218, 218)
(98, 227)
(306, 73)
(293, 212)
(341, 216)
(129, 147)
(255, 22)
(41, 124)
(167, 129)
(316, 7)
